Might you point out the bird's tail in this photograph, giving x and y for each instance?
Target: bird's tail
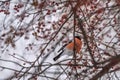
(58, 56)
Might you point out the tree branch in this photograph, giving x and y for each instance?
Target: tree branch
(114, 60)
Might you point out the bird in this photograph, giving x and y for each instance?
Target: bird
(68, 49)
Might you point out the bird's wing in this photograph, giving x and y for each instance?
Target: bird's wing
(64, 46)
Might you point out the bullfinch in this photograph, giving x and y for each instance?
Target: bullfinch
(68, 49)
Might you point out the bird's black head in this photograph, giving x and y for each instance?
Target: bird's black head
(78, 37)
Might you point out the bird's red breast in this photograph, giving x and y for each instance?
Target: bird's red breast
(78, 45)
